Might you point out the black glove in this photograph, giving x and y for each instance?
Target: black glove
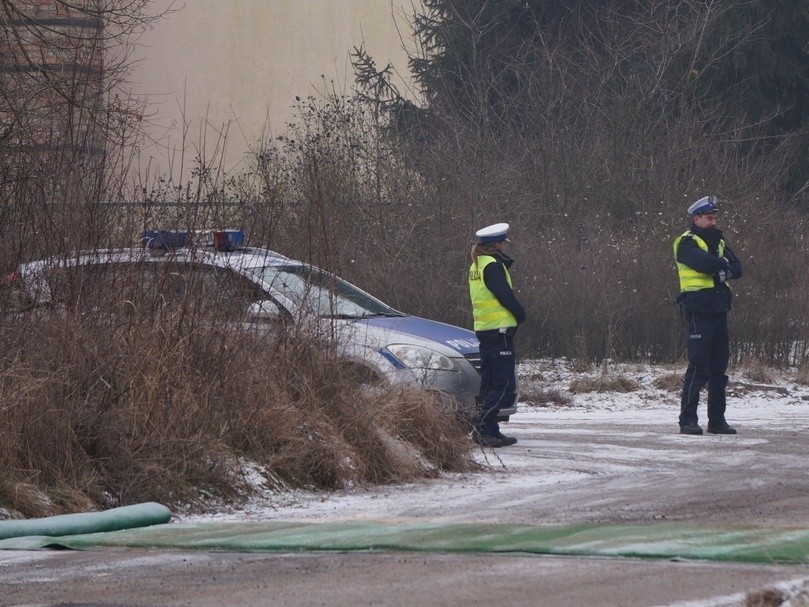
(726, 274)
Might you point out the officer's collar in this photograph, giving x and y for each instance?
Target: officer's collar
(713, 234)
(502, 258)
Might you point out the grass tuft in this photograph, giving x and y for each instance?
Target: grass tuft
(543, 398)
(671, 382)
(756, 371)
(769, 597)
(803, 374)
(604, 383)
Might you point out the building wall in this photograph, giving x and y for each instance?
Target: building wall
(50, 74)
(237, 66)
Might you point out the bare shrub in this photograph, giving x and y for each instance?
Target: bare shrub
(603, 383)
(756, 371)
(671, 382)
(803, 374)
(581, 364)
(532, 395)
(769, 597)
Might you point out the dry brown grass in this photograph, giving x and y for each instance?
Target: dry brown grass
(580, 364)
(769, 597)
(756, 371)
(152, 409)
(532, 395)
(671, 382)
(802, 376)
(604, 383)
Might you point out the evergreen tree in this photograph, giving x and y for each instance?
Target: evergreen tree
(738, 60)
(763, 72)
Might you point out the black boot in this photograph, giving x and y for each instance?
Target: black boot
(507, 440)
(722, 428)
(487, 440)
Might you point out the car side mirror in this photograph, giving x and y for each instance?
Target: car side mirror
(264, 309)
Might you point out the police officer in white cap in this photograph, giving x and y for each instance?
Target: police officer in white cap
(496, 313)
(705, 264)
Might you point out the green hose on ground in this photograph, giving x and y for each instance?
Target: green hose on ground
(125, 517)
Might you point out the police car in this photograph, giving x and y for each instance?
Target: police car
(262, 287)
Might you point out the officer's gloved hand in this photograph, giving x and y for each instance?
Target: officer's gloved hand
(727, 272)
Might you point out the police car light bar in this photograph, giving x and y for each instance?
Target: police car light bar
(220, 240)
(163, 239)
(223, 240)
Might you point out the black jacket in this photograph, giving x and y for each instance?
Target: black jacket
(717, 299)
(494, 277)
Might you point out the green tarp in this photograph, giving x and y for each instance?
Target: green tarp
(659, 541)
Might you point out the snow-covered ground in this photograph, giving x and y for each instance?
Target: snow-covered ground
(596, 457)
(602, 456)
(607, 457)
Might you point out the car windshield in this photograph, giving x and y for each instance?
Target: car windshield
(321, 294)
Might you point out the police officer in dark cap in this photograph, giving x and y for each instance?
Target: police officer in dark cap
(496, 313)
(705, 264)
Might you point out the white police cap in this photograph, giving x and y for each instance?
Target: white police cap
(493, 233)
(704, 205)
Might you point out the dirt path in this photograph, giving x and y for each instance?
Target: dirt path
(136, 578)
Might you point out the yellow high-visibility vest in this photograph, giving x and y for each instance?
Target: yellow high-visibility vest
(690, 279)
(487, 311)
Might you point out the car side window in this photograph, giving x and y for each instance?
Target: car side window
(71, 286)
(148, 286)
(226, 291)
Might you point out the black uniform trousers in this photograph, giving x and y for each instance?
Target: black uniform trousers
(498, 377)
(708, 353)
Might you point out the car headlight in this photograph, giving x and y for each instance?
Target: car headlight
(416, 357)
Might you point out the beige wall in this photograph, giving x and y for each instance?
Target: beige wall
(241, 62)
